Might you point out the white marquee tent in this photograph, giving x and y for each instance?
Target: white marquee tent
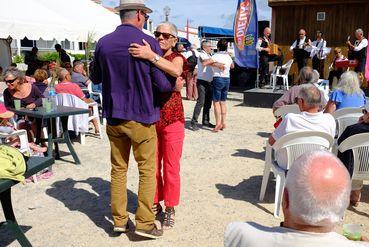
(55, 19)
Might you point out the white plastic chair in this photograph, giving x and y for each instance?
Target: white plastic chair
(345, 117)
(359, 144)
(24, 144)
(75, 124)
(284, 110)
(99, 95)
(294, 145)
(277, 73)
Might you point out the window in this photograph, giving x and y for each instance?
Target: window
(320, 16)
(46, 44)
(27, 43)
(66, 44)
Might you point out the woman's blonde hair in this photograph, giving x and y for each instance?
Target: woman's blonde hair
(40, 75)
(349, 83)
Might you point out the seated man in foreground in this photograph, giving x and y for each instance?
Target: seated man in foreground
(314, 201)
(310, 119)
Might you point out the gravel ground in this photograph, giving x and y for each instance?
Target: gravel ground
(221, 177)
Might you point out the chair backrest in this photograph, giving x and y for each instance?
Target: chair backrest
(284, 110)
(77, 123)
(288, 66)
(359, 144)
(297, 143)
(345, 117)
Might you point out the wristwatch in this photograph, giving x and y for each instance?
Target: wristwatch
(155, 59)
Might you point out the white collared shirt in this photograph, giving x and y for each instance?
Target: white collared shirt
(300, 44)
(360, 45)
(318, 46)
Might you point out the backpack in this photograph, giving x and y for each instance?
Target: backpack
(192, 61)
(12, 163)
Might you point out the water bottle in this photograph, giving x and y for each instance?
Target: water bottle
(52, 97)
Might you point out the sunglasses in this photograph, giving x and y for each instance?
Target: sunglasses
(145, 15)
(11, 81)
(165, 35)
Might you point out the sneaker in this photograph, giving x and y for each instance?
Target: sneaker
(121, 229)
(153, 233)
(194, 127)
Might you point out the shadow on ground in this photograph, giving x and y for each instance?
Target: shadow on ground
(249, 154)
(248, 190)
(7, 237)
(264, 134)
(94, 205)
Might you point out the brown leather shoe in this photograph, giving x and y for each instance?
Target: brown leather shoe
(355, 197)
(153, 233)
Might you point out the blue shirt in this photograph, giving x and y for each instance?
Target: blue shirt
(129, 85)
(344, 100)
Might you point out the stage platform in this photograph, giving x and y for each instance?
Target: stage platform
(261, 97)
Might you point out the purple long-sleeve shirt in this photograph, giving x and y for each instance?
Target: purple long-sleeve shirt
(129, 85)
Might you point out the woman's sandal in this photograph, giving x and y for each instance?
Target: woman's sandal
(157, 209)
(169, 216)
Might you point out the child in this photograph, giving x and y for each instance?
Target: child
(8, 128)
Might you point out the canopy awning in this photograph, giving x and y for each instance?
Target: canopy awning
(55, 19)
(215, 32)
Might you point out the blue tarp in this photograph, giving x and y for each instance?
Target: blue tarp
(215, 32)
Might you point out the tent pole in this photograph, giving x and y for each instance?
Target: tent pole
(18, 47)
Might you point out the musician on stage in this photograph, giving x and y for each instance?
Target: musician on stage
(318, 54)
(265, 56)
(334, 71)
(358, 50)
(301, 49)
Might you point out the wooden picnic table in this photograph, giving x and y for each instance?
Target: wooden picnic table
(63, 112)
(34, 165)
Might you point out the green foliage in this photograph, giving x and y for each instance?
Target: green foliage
(78, 56)
(18, 59)
(49, 56)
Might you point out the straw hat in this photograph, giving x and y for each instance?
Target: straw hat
(133, 5)
(4, 113)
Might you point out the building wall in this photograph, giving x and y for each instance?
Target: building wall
(341, 21)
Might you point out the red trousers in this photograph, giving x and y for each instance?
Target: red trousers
(191, 87)
(168, 180)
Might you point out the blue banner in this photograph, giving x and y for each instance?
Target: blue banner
(246, 34)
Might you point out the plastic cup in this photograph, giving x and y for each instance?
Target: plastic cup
(17, 104)
(47, 106)
(352, 231)
(44, 101)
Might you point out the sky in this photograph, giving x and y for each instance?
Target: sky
(215, 13)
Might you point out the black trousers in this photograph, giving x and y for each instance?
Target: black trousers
(347, 157)
(301, 62)
(264, 66)
(333, 74)
(318, 64)
(203, 101)
(361, 66)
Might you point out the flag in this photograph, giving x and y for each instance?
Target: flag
(246, 34)
(367, 64)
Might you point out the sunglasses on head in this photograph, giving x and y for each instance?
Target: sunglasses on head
(11, 81)
(165, 35)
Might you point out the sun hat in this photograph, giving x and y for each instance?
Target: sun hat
(4, 113)
(133, 5)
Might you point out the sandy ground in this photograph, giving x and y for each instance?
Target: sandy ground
(221, 178)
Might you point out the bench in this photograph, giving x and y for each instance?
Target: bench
(34, 165)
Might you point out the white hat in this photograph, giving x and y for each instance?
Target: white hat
(133, 5)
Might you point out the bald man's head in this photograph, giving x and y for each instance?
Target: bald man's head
(267, 32)
(318, 187)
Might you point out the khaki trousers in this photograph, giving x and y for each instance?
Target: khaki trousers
(143, 139)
